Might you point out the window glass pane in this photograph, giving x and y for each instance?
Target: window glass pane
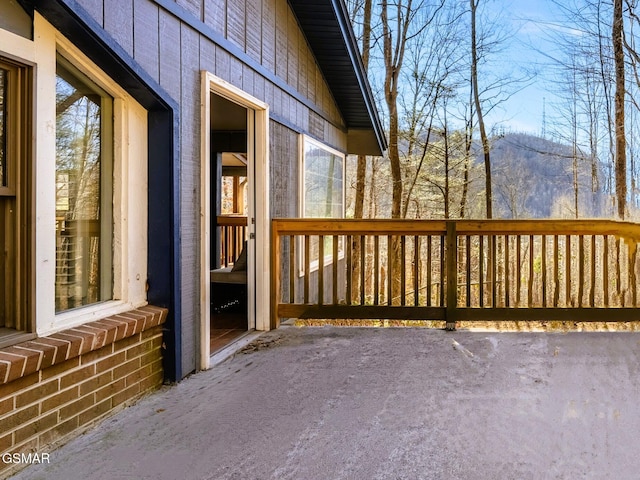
(3, 128)
(82, 204)
(323, 193)
(322, 183)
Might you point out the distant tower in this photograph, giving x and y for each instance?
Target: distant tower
(544, 117)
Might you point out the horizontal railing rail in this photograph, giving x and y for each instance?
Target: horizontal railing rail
(580, 270)
(233, 234)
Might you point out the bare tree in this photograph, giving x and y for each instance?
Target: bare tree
(365, 7)
(621, 149)
(486, 148)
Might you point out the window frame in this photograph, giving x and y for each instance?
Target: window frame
(19, 186)
(129, 193)
(129, 185)
(106, 194)
(328, 257)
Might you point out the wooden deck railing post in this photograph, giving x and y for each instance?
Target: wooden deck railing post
(452, 276)
(274, 321)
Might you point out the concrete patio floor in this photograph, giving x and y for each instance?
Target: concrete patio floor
(370, 403)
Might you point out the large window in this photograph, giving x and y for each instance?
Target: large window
(15, 314)
(73, 188)
(323, 181)
(84, 139)
(323, 194)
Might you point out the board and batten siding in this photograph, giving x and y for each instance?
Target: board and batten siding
(257, 46)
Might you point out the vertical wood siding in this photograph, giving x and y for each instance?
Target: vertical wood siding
(169, 53)
(253, 37)
(146, 48)
(118, 22)
(173, 52)
(236, 23)
(268, 45)
(194, 7)
(95, 8)
(215, 15)
(190, 192)
(283, 148)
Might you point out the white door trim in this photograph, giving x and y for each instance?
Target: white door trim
(258, 156)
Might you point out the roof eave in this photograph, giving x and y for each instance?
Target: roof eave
(335, 39)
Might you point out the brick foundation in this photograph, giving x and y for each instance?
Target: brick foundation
(52, 388)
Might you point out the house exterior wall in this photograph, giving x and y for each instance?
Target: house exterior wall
(255, 46)
(53, 386)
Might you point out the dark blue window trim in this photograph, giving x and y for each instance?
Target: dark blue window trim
(163, 162)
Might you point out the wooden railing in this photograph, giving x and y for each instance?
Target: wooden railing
(582, 270)
(233, 233)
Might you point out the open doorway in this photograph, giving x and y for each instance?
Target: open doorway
(235, 219)
(230, 262)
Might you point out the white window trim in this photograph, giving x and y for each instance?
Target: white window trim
(130, 183)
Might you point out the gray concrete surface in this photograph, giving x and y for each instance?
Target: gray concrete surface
(351, 403)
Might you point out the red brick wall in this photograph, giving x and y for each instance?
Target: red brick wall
(54, 387)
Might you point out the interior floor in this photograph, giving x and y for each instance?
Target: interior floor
(226, 327)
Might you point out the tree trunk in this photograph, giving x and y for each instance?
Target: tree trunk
(621, 158)
(361, 169)
(476, 96)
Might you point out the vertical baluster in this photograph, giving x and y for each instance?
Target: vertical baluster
(429, 244)
(376, 269)
(391, 254)
(307, 267)
(481, 269)
(506, 271)
(530, 291)
(492, 265)
(633, 253)
(320, 269)
(592, 287)
(334, 290)
(452, 275)
(543, 266)
(292, 268)
(363, 269)
(556, 271)
(416, 271)
(580, 269)
(349, 265)
(403, 270)
(468, 269)
(567, 271)
(618, 273)
(605, 269)
(518, 269)
(442, 270)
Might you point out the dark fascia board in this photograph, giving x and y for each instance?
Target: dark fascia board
(335, 39)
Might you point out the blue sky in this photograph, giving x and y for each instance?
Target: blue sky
(530, 21)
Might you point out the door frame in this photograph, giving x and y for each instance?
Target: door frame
(258, 221)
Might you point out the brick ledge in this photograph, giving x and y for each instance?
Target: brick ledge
(25, 358)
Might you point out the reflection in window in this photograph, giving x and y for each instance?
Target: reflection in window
(323, 174)
(83, 190)
(323, 177)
